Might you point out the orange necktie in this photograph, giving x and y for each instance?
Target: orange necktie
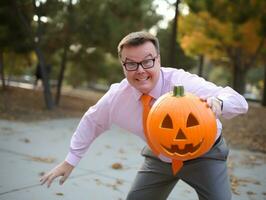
(146, 100)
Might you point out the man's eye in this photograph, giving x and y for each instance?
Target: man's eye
(147, 62)
(131, 64)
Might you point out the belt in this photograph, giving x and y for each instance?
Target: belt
(218, 140)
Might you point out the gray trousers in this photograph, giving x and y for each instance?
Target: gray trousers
(206, 174)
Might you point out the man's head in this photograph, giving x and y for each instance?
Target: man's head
(140, 58)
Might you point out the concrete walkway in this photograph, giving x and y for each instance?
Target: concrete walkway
(27, 150)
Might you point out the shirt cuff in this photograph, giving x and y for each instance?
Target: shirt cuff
(72, 159)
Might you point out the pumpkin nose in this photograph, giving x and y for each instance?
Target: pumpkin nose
(180, 135)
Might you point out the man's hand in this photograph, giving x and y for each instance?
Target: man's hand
(64, 169)
(216, 105)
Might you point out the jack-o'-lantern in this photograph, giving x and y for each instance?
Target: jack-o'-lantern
(181, 126)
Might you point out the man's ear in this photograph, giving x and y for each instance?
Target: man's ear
(124, 70)
(159, 59)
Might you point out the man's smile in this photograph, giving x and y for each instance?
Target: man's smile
(143, 78)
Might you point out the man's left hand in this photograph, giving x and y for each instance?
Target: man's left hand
(216, 105)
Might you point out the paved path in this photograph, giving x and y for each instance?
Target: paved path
(29, 149)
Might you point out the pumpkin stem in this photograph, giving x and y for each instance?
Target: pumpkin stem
(178, 91)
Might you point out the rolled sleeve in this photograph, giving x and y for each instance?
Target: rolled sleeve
(94, 122)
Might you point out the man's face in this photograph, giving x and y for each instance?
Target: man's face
(142, 79)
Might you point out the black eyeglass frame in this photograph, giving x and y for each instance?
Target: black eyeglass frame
(140, 63)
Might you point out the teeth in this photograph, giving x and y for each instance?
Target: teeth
(143, 79)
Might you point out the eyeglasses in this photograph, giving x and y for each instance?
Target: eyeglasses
(145, 64)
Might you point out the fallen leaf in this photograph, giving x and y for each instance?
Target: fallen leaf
(41, 173)
(117, 166)
(119, 181)
(251, 193)
(26, 140)
(122, 151)
(42, 159)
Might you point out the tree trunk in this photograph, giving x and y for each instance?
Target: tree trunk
(2, 70)
(44, 74)
(65, 52)
(61, 74)
(239, 79)
(173, 43)
(264, 87)
(47, 93)
(45, 79)
(200, 66)
(239, 71)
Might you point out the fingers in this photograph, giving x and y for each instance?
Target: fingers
(51, 179)
(44, 178)
(63, 179)
(214, 103)
(215, 106)
(48, 178)
(204, 100)
(209, 101)
(64, 169)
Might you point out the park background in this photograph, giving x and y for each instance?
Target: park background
(58, 57)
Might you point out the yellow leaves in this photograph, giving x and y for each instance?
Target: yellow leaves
(201, 33)
(250, 38)
(192, 42)
(18, 61)
(198, 43)
(195, 31)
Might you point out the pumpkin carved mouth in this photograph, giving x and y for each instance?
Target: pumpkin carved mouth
(189, 148)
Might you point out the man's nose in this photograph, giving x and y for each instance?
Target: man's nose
(140, 68)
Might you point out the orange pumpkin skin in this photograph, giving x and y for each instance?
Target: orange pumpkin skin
(181, 128)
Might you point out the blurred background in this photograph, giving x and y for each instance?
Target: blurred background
(53, 46)
(57, 43)
(58, 57)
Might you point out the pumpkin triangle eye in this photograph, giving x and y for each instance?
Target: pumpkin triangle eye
(192, 121)
(167, 122)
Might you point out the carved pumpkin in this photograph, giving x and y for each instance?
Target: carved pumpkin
(181, 126)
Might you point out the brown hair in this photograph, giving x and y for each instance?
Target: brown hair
(138, 38)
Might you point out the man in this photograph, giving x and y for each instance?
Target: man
(140, 57)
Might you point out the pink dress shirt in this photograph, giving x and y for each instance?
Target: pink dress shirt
(121, 106)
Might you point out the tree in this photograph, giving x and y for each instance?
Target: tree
(220, 35)
(103, 23)
(2, 70)
(173, 39)
(79, 36)
(35, 39)
(13, 38)
(100, 25)
(67, 41)
(264, 87)
(263, 64)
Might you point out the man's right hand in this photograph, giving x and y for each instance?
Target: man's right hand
(64, 169)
